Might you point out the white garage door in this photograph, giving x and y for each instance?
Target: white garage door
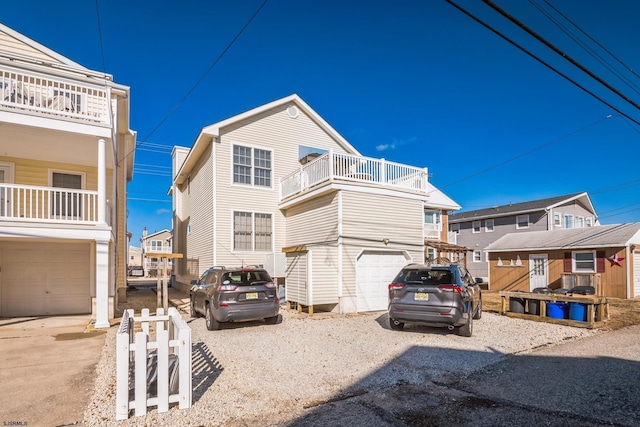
(374, 271)
(44, 279)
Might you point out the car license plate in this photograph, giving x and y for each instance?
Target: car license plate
(251, 295)
(421, 296)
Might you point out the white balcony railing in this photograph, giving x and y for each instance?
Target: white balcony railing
(35, 92)
(158, 249)
(432, 231)
(48, 204)
(345, 167)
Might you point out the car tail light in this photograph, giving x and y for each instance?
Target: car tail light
(270, 285)
(450, 288)
(227, 288)
(396, 286)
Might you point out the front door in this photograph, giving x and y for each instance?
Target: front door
(538, 271)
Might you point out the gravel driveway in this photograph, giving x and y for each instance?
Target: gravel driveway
(253, 374)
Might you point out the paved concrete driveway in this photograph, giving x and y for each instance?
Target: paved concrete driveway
(47, 369)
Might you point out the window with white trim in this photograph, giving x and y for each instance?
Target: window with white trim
(252, 231)
(477, 256)
(476, 226)
(252, 166)
(584, 261)
(66, 203)
(455, 228)
(588, 222)
(522, 221)
(579, 222)
(488, 226)
(557, 219)
(568, 221)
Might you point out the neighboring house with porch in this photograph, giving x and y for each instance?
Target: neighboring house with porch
(478, 228)
(606, 257)
(65, 159)
(278, 186)
(157, 242)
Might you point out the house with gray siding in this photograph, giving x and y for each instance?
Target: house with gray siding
(477, 229)
(277, 186)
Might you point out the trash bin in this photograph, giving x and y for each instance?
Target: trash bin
(584, 290)
(534, 304)
(561, 291)
(557, 310)
(578, 311)
(516, 305)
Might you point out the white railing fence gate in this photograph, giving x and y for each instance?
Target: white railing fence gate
(161, 368)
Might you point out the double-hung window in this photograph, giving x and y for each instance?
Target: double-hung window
(584, 261)
(488, 226)
(252, 231)
(522, 221)
(476, 226)
(66, 203)
(252, 166)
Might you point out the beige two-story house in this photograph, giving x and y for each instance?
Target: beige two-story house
(66, 154)
(278, 186)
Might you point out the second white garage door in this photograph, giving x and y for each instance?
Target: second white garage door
(374, 271)
(44, 279)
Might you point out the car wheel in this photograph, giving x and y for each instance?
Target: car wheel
(395, 325)
(466, 330)
(212, 323)
(192, 310)
(272, 320)
(478, 313)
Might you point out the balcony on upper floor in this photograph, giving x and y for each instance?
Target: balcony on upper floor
(346, 168)
(49, 205)
(66, 96)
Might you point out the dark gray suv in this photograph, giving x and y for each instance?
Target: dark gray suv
(234, 295)
(435, 295)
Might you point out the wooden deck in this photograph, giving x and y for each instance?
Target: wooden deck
(597, 308)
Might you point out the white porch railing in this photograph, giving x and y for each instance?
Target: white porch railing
(345, 167)
(432, 231)
(45, 94)
(166, 249)
(48, 204)
(158, 372)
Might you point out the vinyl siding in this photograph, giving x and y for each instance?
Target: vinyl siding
(370, 218)
(272, 130)
(13, 45)
(313, 222)
(296, 287)
(324, 267)
(198, 213)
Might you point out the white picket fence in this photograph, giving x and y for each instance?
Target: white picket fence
(172, 336)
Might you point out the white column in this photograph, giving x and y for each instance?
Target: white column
(102, 181)
(102, 284)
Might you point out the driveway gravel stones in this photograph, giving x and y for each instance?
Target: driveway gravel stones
(331, 369)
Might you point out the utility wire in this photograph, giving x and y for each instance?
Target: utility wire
(513, 43)
(526, 153)
(587, 48)
(592, 39)
(201, 79)
(558, 51)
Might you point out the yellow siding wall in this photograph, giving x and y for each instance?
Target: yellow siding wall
(13, 45)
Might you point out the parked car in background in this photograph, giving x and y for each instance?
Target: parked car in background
(435, 295)
(234, 295)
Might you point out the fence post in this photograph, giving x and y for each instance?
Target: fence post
(162, 337)
(122, 368)
(184, 356)
(141, 372)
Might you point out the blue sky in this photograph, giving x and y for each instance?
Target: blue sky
(416, 82)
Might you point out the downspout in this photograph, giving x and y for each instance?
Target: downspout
(340, 248)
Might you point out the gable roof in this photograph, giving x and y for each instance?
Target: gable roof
(213, 130)
(54, 57)
(521, 208)
(603, 236)
(155, 234)
(437, 199)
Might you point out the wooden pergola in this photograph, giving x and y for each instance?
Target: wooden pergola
(445, 248)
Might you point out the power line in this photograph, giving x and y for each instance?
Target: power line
(592, 39)
(201, 79)
(586, 48)
(526, 153)
(540, 60)
(558, 51)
